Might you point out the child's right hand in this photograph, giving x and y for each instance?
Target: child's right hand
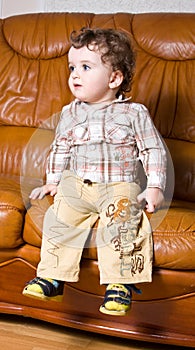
(40, 192)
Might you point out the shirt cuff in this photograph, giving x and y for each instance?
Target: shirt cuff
(157, 180)
(53, 179)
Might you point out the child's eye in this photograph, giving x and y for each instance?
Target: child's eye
(86, 67)
(71, 69)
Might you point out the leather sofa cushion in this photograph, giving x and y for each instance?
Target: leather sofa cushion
(12, 212)
(32, 232)
(183, 157)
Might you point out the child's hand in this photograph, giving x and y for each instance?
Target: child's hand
(154, 198)
(40, 192)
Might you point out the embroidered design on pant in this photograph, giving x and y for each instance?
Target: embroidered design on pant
(55, 234)
(126, 217)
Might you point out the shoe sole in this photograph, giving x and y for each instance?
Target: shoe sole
(42, 297)
(103, 310)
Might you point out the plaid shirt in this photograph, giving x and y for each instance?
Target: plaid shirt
(107, 143)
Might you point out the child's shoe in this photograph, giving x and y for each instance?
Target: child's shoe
(44, 289)
(117, 300)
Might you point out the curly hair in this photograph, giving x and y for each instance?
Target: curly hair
(115, 47)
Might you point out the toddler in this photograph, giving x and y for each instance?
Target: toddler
(93, 173)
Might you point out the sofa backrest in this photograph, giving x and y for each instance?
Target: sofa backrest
(33, 84)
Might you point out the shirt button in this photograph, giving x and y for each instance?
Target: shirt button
(92, 147)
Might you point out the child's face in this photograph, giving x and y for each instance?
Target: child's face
(90, 79)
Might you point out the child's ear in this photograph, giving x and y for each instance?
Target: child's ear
(116, 79)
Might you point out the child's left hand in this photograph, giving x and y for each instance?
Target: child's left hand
(154, 198)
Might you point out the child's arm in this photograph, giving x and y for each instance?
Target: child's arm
(152, 154)
(154, 198)
(57, 160)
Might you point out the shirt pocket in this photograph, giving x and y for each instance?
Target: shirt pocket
(80, 133)
(118, 133)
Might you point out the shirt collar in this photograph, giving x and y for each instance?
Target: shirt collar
(117, 100)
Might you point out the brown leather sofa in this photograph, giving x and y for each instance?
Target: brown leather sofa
(33, 89)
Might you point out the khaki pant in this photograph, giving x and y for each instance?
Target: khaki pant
(123, 237)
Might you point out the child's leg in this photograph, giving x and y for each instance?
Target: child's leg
(62, 246)
(124, 248)
(65, 232)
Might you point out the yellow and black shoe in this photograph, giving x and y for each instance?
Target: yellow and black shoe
(44, 289)
(117, 299)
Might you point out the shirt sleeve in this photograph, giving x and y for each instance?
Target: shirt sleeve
(151, 149)
(59, 154)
